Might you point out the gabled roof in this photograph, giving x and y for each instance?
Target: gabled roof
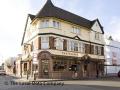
(31, 16)
(49, 10)
(96, 20)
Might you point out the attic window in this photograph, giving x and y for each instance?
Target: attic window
(76, 30)
(44, 23)
(56, 24)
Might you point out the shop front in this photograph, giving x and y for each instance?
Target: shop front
(68, 67)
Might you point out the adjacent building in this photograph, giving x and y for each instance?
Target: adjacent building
(9, 65)
(18, 65)
(59, 44)
(112, 56)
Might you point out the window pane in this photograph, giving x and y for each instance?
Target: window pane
(59, 44)
(72, 46)
(82, 47)
(96, 50)
(76, 30)
(44, 23)
(97, 35)
(47, 23)
(57, 24)
(54, 25)
(45, 45)
(75, 46)
(99, 50)
(44, 42)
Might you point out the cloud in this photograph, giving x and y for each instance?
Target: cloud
(114, 28)
(13, 17)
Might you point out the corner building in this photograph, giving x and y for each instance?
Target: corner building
(61, 45)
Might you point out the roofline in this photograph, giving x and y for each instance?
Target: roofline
(99, 25)
(25, 29)
(49, 1)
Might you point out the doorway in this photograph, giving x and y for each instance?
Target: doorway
(45, 68)
(85, 71)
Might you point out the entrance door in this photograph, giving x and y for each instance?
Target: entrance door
(45, 69)
(85, 70)
(25, 68)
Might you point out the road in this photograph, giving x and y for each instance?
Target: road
(69, 85)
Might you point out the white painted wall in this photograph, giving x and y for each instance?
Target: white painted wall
(96, 27)
(112, 51)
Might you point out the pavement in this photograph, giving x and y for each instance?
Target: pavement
(94, 84)
(107, 78)
(104, 81)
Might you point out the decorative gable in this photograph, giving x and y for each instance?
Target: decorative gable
(77, 38)
(97, 26)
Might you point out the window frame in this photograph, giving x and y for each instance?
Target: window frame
(76, 30)
(97, 35)
(45, 23)
(82, 47)
(56, 24)
(59, 43)
(43, 41)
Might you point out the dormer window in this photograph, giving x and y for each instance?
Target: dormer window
(56, 24)
(76, 30)
(44, 23)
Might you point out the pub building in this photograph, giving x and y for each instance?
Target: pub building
(58, 44)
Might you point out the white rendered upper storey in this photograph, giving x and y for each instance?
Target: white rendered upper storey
(58, 23)
(112, 51)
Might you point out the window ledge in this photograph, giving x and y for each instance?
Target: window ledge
(49, 27)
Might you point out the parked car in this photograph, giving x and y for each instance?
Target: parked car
(119, 74)
(2, 72)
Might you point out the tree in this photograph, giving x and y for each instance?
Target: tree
(10, 62)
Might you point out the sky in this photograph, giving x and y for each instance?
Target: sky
(13, 14)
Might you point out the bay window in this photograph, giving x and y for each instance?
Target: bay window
(56, 24)
(44, 42)
(71, 45)
(75, 46)
(44, 23)
(59, 43)
(99, 50)
(82, 47)
(95, 50)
